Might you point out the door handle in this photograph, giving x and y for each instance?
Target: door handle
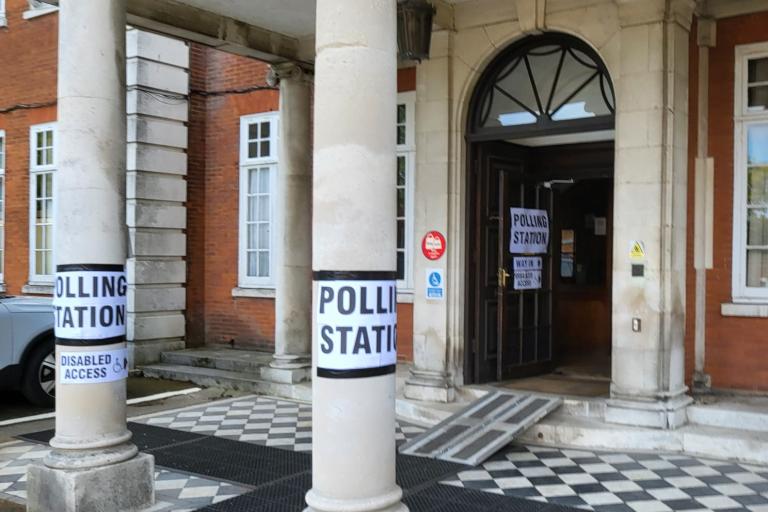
(502, 277)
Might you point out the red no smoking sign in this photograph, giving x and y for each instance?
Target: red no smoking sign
(433, 245)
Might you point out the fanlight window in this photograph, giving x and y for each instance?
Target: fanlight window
(546, 81)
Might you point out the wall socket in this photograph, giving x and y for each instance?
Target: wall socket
(636, 325)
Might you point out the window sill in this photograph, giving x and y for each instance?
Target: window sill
(37, 289)
(34, 13)
(258, 293)
(744, 310)
(3, 20)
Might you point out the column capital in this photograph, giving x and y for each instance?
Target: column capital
(287, 71)
(706, 36)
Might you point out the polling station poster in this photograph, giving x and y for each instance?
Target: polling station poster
(89, 303)
(357, 328)
(529, 231)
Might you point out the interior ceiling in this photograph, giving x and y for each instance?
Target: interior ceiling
(294, 18)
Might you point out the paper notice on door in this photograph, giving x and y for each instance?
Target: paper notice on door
(527, 273)
(601, 226)
(566, 241)
(529, 231)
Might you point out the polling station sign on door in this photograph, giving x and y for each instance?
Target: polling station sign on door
(529, 234)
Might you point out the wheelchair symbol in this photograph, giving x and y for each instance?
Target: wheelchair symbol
(434, 279)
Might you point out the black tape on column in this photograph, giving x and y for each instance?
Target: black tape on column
(89, 304)
(356, 323)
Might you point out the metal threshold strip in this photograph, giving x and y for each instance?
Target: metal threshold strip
(481, 429)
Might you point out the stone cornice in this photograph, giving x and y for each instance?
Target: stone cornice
(641, 12)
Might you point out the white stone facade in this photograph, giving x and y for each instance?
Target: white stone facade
(156, 191)
(645, 48)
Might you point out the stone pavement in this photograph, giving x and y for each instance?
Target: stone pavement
(252, 453)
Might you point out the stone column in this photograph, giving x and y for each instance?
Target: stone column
(293, 256)
(353, 443)
(703, 203)
(93, 464)
(430, 378)
(648, 385)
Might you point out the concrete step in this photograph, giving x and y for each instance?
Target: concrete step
(214, 377)
(742, 415)
(560, 429)
(246, 361)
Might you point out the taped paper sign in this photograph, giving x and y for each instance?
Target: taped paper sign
(527, 273)
(93, 367)
(529, 231)
(89, 303)
(357, 328)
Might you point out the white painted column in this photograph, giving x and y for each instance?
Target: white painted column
(93, 464)
(353, 443)
(293, 256)
(430, 377)
(648, 382)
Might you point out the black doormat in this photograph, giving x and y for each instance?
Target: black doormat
(280, 478)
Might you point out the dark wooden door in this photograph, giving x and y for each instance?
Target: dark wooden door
(511, 328)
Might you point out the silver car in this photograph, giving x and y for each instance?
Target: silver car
(27, 357)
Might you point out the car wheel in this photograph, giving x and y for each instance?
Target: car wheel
(39, 385)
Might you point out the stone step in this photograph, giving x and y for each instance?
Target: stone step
(245, 361)
(564, 430)
(214, 377)
(740, 416)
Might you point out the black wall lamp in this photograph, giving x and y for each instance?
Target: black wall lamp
(414, 29)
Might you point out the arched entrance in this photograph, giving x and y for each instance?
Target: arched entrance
(539, 211)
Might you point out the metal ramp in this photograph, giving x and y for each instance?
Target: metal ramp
(475, 433)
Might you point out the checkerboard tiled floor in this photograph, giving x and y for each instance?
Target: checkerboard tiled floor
(264, 421)
(604, 482)
(174, 491)
(615, 482)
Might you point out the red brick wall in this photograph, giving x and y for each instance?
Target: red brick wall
(735, 347)
(217, 101)
(28, 56)
(213, 315)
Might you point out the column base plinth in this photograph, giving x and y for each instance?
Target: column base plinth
(666, 413)
(290, 361)
(428, 386)
(389, 502)
(286, 375)
(288, 369)
(126, 485)
(702, 382)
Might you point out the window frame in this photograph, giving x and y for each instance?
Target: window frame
(34, 170)
(3, 17)
(3, 153)
(408, 150)
(245, 165)
(743, 120)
